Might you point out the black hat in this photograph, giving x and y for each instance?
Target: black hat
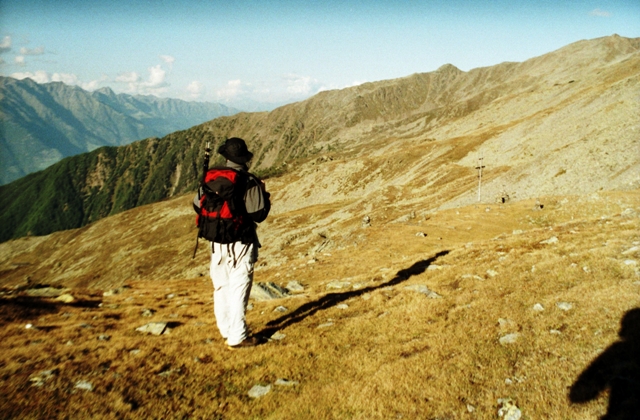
(235, 150)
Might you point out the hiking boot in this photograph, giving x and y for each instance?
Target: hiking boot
(248, 342)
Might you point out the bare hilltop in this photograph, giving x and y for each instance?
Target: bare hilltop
(392, 286)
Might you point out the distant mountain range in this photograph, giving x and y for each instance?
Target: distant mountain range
(43, 123)
(562, 123)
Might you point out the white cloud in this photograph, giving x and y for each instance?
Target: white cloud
(32, 51)
(195, 89)
(600, 13)
(19, 60)
(168, 59)
(5, 44)
(155, 85)
(233, 90)
(39, 76)
(128, 77)
(302, 85)
(66, 78)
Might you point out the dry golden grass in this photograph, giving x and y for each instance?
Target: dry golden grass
(391, 352)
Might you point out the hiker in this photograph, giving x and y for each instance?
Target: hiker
(229, 204)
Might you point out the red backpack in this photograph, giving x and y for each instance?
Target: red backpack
(222, 216)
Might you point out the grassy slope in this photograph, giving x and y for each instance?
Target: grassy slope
(391, 352)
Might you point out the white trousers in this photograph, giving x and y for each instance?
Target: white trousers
(232, 275)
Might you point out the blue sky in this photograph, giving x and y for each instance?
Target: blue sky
(280, 51)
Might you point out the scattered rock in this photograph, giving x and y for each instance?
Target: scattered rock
(421, 235)
(295, 286)
(631, 250)
(285, 382)
(148, 312)
(46, 291)
(134, 351)
(267, 291)
(565, 306)
(552, 240)
(366, 221)
(555, 332)
(538, 307)
(281, 309)
(30, 327)
(278, 336)
(170, 296)
(155, 328)
(509, 338)
(433, 267)
(342, 306)
(517, 232)
(65, 298)
(472, 276)
(325, 325)
(336, 284)
(86, 385)
(421, 288)
(104, 337)
(630, 262)
(259, 391)
(586, 269)
(470, 408)
(538, 206)
(492, 273)
(42, 377)
(508, 409)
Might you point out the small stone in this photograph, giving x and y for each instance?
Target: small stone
(325, 325)
(630, 262)
(295, 286)
(586, 269)
(170, 296)
(552, 240)
(285, 382)
(86, 385)
(492, 273)
(280, 309)
(267, 291)
(148, 312)
(336, 284)
(342, 306)
(104, 337)
(538, 307)
(421, 235)
(470, 408)
(259, 391)
(29, 327)
(508, 409)
(509, 338)
(134, 351)
(555, 332)
(517, 232)
(155, 328)
(631, 250)
(278, 336)
(421, 288)
(65, 298)
(565, 306)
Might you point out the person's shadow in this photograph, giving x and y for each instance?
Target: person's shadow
(333, 299)
(616, 369)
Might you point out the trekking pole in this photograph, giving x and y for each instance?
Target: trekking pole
(205, 168)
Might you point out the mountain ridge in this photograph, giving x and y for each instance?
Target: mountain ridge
(43, 123)
(420, 135)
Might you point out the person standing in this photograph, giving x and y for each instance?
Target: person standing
(229, 204)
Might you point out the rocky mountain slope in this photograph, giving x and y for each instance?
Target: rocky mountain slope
(43, 123)
(564, 122)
